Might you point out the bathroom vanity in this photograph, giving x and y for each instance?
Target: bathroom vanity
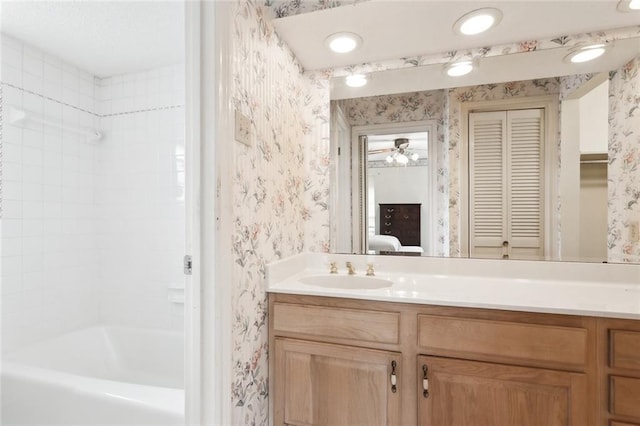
(444, 346)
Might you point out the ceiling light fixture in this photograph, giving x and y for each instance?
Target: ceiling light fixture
(356, 80)
(629, 5)
(477, 21)
(585, 54)
(343, 42)
(458, 69)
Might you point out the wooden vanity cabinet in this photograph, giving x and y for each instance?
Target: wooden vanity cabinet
(332, 362)
(619, 353)
(326, 385)
(465, 392)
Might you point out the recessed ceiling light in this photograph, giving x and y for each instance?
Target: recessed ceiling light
(458, 69)
(356, 80)
(586, 54)
(629, 5)
(477, 21)
(343, 42)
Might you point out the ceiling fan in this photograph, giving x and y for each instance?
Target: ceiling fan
(399, 153)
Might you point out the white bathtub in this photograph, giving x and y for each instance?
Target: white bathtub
(96, 376)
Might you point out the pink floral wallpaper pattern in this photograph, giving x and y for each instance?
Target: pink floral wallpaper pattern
(279, 191)
(284, 8)
(624, 160)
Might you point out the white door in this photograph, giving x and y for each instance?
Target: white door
(506, 180)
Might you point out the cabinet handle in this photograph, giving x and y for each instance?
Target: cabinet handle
(406, 217)
(387, 224)
(387, 216)
(425, 381)
(387, 232)
(390, 210)
(394, 377)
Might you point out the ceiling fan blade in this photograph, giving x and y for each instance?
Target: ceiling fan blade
(380, 151)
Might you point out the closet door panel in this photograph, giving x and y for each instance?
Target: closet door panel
(487, 164)
(525, 129)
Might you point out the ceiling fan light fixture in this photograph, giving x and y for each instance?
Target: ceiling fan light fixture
(356, 80)
(458, 69)
(585, 54)
(477, 21)
(343, 42)
(628, 5)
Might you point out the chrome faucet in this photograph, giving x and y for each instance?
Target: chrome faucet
(351, 269)
(334, 268)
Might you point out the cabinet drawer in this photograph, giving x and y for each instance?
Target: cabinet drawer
(624, 349)
(613, 423)
(340, 323)
(625, 396)
(538, 344)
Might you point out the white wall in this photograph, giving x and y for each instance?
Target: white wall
(594, 120)
(403, 185)
(141, 197)
(91, 232)
(49, 258)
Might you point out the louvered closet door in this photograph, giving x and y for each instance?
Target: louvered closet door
(506, 184)
(488, 198)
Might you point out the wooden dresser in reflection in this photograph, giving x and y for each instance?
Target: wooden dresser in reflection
(402, 221)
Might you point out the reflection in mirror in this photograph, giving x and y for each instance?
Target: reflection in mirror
(533, 169)
(397, 193)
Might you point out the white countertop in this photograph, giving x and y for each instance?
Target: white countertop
(602, 290)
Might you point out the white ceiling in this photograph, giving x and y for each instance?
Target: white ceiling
(102, 37)
(394, 29)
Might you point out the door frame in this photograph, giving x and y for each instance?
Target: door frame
(359, 178)
(208, 343)
(549, 104)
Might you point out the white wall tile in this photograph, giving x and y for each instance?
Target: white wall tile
(33, 65)
(12, 75)
(84, 222)
(11, 56)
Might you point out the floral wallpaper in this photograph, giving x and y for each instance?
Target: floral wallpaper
(279, 190)
(624, 158)
(284, 8)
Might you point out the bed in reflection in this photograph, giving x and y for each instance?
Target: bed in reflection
(388, 244)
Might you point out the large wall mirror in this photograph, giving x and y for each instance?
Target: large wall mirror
(530, 157)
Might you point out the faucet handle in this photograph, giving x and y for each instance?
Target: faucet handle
(350, 268)
(370, 272)
(334, 268)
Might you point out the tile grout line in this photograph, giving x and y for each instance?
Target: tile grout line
(87, 111)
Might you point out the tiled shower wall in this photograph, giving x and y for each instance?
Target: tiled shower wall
(49, 224)
(91, 232)
(141, 197)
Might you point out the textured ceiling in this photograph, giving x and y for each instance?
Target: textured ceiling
(102, 37)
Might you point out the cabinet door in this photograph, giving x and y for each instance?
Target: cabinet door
(484, 394)
(330, 385)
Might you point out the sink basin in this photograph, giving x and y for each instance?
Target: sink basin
(346, 282)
